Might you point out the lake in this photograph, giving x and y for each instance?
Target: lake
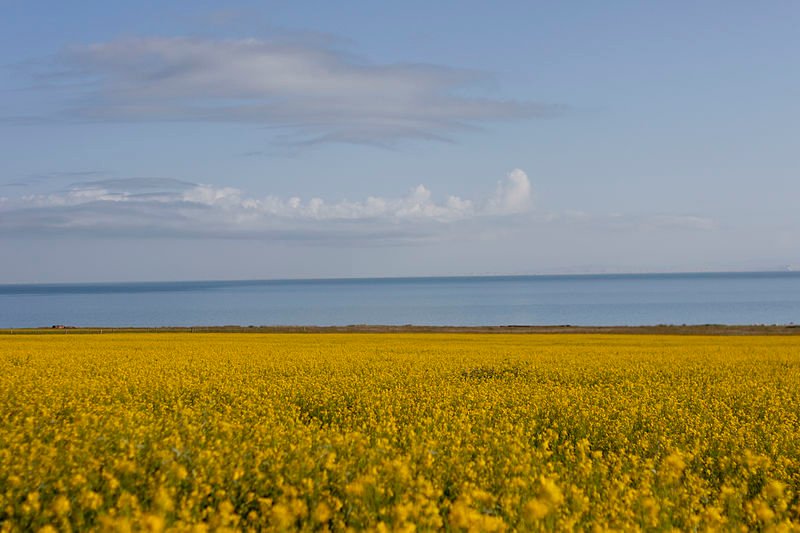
(600, 300)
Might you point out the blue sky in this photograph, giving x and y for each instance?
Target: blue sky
(196, 140)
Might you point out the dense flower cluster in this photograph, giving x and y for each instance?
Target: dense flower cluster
(398, 432)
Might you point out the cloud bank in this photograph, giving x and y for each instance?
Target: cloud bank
(313, 92)
(167, 207)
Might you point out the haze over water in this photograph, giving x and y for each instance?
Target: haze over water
(603, 300)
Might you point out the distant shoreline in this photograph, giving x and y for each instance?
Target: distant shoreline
(705, 329)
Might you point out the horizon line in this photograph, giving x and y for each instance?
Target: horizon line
(409, 278)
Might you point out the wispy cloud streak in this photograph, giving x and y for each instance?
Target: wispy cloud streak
(314, 93)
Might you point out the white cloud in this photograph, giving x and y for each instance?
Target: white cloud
(416, 205)
(142, 206)
(314, 92)
(513, 195)
(155, 207)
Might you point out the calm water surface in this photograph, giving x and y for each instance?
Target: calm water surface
(730, 298)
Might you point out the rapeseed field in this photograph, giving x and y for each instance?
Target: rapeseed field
(399, 432)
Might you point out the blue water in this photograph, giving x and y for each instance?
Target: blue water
(729, 298)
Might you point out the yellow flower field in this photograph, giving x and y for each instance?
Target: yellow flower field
(398, 432)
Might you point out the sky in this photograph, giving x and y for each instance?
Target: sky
(256, 140)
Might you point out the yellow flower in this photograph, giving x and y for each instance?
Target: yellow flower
(162, 500)
(536, 509)
(774, 489)
(550, 492)
(91, 500)
(153, 523)
(322, 513)
(401, 432)
(282, 517)
(61, 506)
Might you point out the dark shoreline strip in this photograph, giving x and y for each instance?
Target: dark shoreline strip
(706, 329)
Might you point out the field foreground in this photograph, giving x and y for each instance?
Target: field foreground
(399, 432)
